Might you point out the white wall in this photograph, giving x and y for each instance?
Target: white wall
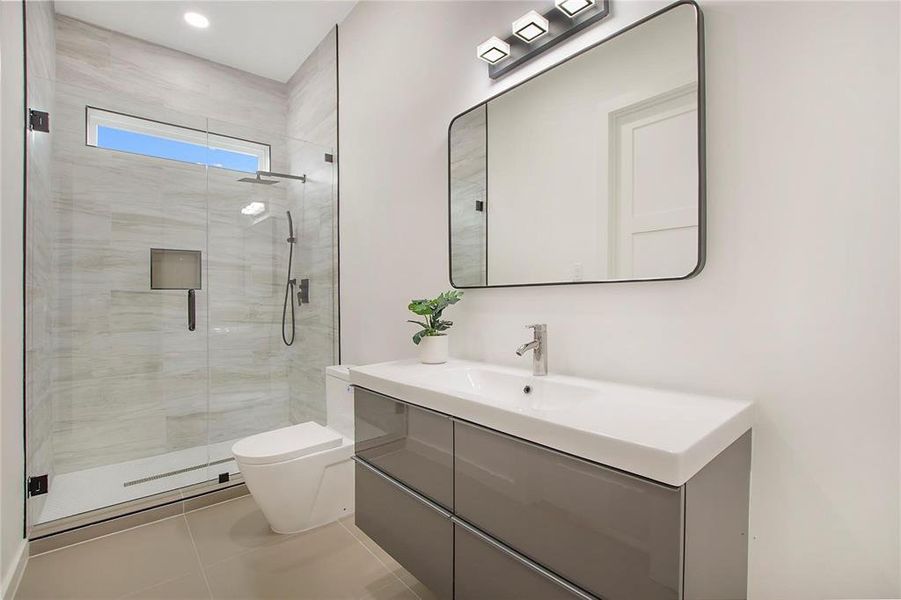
(11, 163)
(798, 306)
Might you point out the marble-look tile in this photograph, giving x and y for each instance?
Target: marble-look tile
(312, 127)
(468, 184)
(121, 65)
(41, 40)
(312, 95)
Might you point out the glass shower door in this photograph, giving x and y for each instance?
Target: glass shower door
(270, 341)
(119, 380)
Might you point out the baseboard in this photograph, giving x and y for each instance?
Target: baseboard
(14, 574)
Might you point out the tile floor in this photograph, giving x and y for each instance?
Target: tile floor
(223, 551)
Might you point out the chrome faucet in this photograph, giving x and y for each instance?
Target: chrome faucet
(538, 346)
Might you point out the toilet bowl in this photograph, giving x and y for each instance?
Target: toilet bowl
(301, 476)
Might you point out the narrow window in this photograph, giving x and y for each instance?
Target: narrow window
(126, 133)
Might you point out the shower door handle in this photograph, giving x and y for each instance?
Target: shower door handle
(192, 320)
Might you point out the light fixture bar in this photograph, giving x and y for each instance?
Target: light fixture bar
(526, 42)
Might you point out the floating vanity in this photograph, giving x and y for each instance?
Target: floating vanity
(488, 482)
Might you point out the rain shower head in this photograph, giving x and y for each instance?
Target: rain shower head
(259, 180)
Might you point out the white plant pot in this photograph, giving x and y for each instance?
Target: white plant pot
(433, 349)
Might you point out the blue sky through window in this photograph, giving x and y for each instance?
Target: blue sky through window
(149, 145)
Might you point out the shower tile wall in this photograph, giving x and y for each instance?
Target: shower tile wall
(41, 51)
(313, 116)
(469, 184)
(128, 380)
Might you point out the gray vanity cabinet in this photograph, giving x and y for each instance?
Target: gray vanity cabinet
(480, 515)
(414, 445)
(614, 535)
(417, 533)
(484, 568)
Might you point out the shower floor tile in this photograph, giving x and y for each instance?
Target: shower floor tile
(82, 491)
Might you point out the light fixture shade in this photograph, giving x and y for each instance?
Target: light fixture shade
(493, 50)
(573, 7)
(530, 26)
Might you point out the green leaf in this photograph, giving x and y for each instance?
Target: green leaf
(443, 325)
(420, 309)
(432, 310)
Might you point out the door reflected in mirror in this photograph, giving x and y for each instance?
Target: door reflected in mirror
(590, 172)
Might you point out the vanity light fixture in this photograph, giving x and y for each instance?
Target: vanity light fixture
(493, 50)
(196, 20)
(530, 27)
(573, 7)
(536, 32)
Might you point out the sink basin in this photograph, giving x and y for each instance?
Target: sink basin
(662, 435)
(524, 393)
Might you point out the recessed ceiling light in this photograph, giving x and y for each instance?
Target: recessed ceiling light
(196, 20)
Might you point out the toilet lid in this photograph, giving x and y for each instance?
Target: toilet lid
(286, 443)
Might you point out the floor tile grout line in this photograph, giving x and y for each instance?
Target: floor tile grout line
(150, 587)
(246, 551)
(359, 541)
(206, 581)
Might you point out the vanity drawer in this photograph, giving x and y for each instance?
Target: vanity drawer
(415, 532)
(483, 568)
(413, 445)
(614, 535)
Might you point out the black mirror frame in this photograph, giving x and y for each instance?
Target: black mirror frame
(702, 157)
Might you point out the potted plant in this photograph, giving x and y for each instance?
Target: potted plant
(431, 339)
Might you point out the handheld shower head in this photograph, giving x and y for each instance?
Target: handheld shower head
(291, 238)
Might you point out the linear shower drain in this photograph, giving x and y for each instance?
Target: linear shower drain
(176, 472)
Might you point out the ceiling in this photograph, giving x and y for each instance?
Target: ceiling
(267, 37)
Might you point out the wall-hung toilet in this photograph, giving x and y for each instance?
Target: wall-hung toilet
(302, 476)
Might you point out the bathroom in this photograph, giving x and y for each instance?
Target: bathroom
(150, 322)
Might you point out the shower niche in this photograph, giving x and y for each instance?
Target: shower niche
(155, 271)
(178, 270)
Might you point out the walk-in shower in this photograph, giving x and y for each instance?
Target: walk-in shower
(124, 401)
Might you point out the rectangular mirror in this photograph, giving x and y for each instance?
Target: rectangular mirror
(591, 171)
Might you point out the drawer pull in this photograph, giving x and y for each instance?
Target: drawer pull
(402, 487)
(523, 560)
